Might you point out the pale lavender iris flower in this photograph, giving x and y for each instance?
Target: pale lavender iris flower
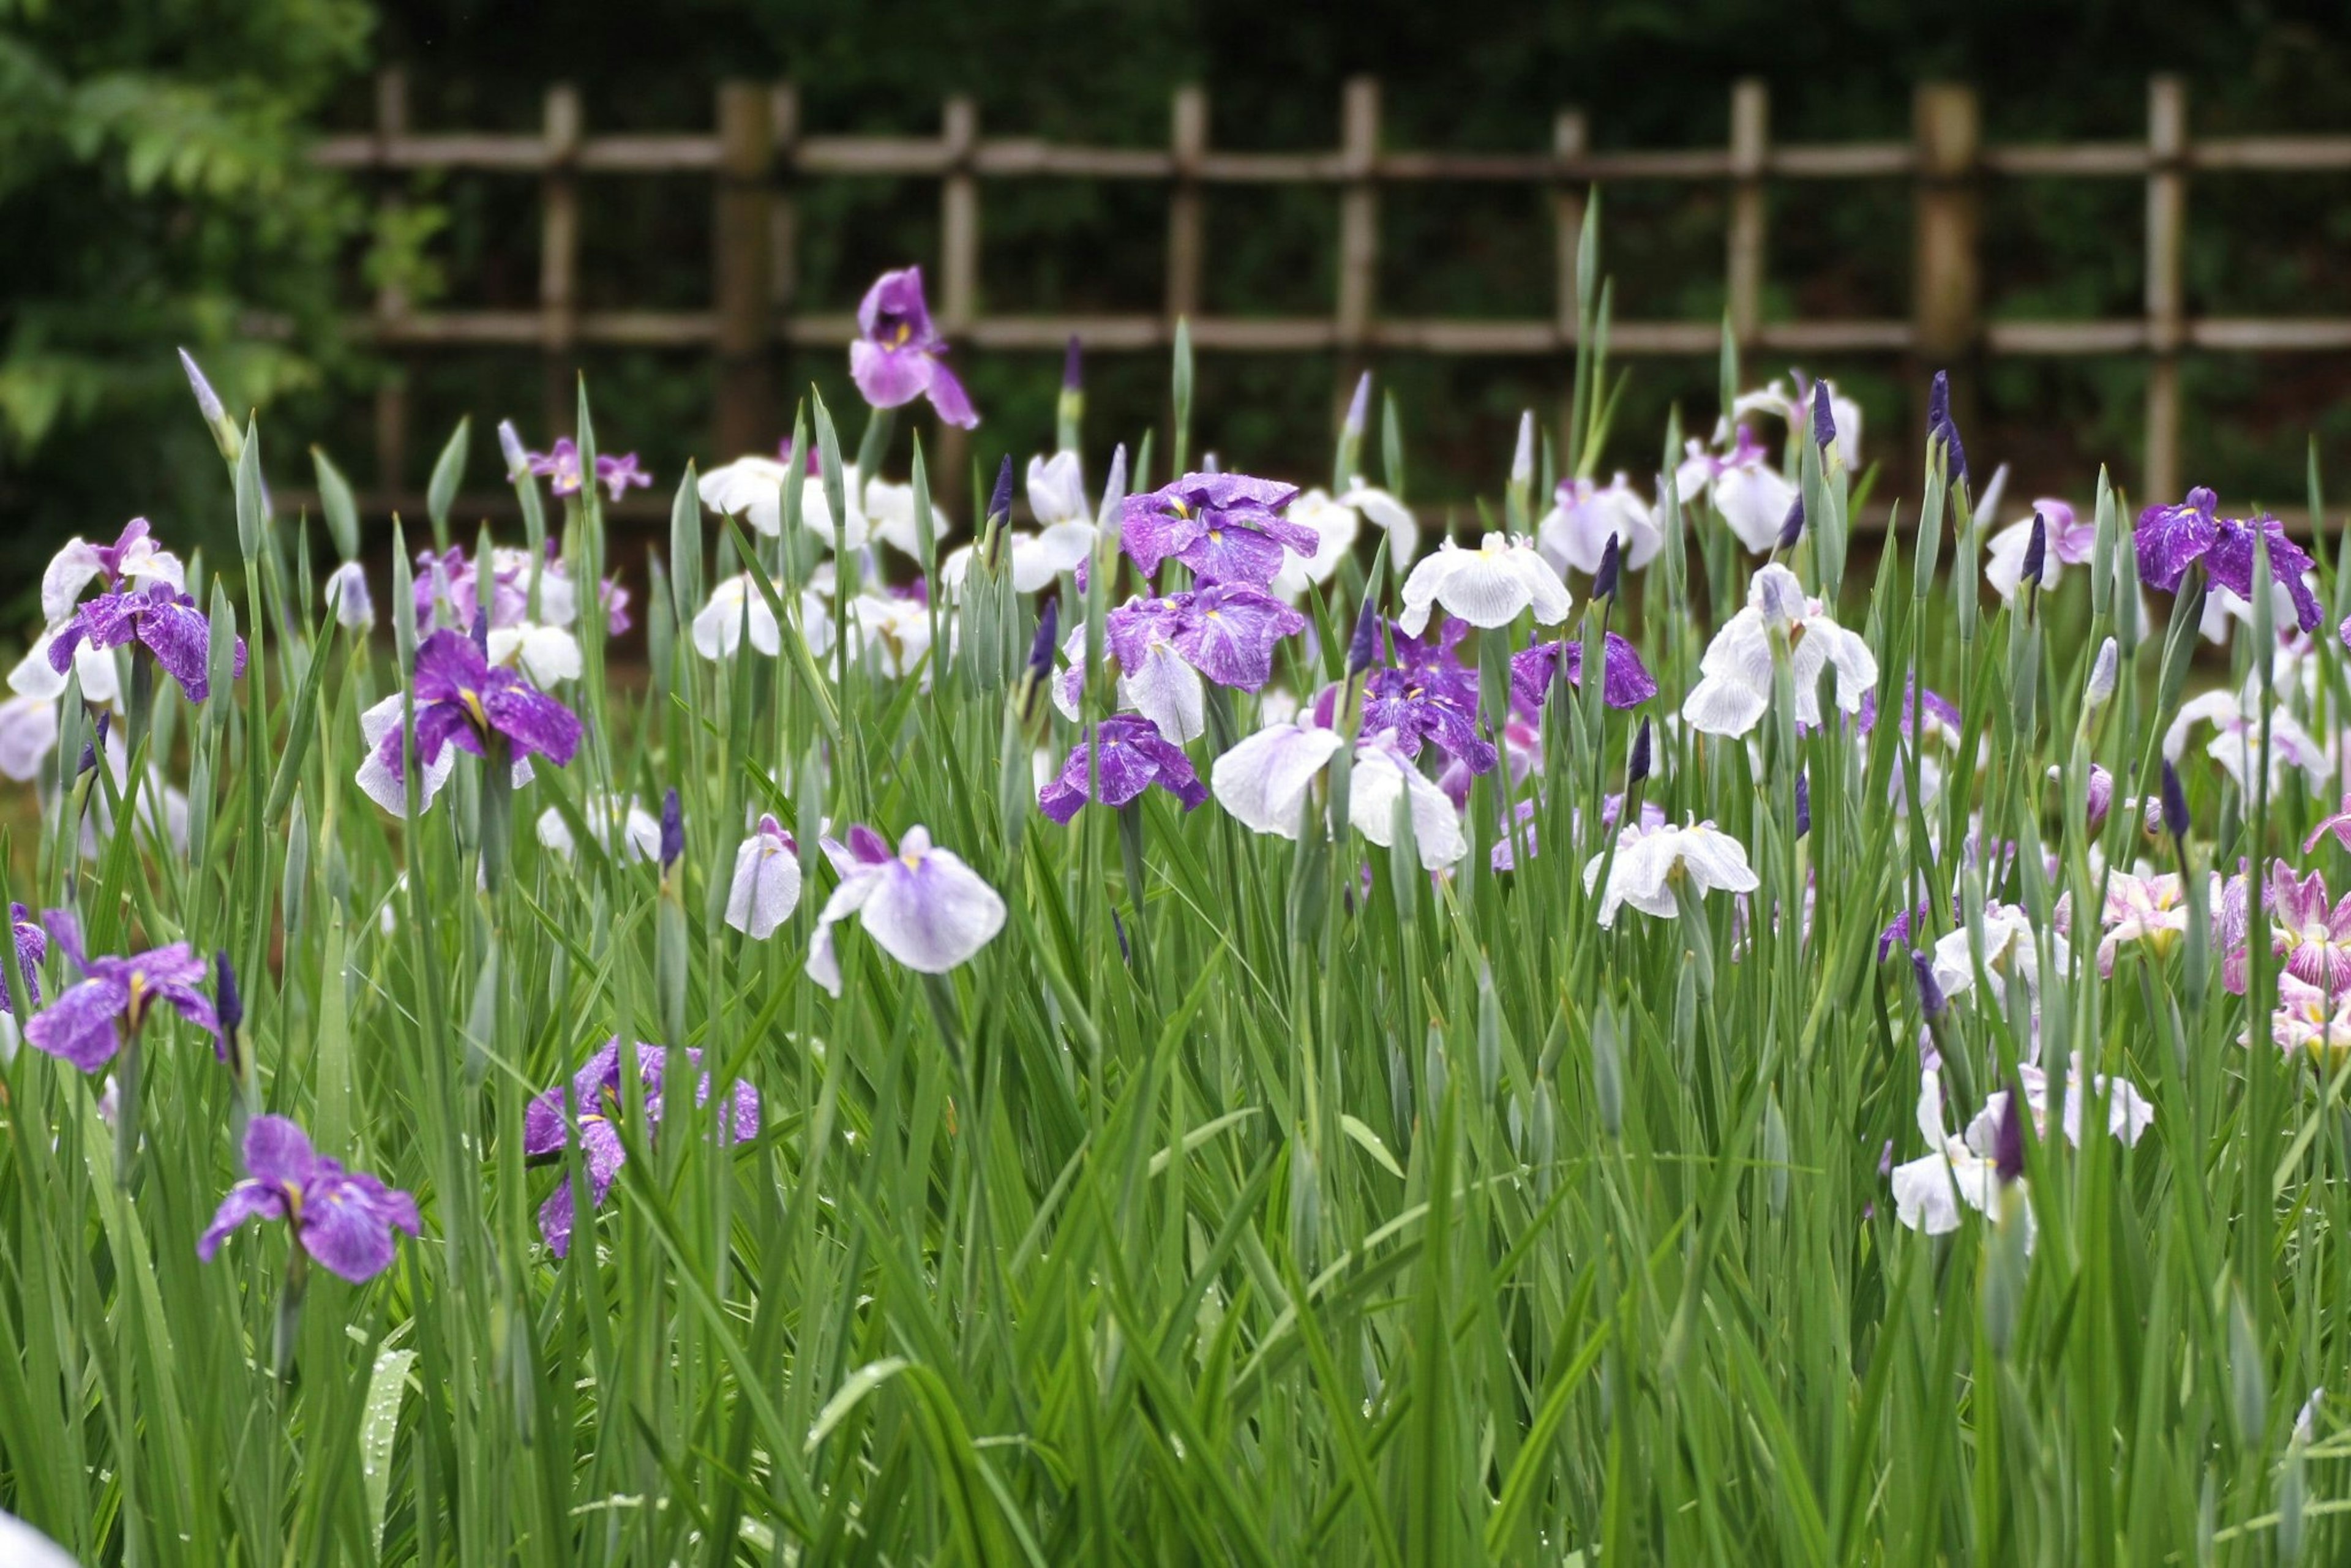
(896, 358)
(923, 905)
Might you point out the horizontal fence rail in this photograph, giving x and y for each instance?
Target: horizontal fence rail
(756, 154)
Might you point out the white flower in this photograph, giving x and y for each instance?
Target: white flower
(1163, 687)
(1928, 1191)
(816, 512)
(766, 884)
(1057, 490)
(640, 829)
(348, 597)
(750, 487)
(1263, 779)
(1385, 512)
(1383, 774)
(1651, 860)
(889, 508)
(1335, 525)
(895, 633)
(2010, 951)
(138, 559)
(2128, 1114)
(923, 905)
(1735, 686)
(1583, 518)
(544, 653)
(1487, 587)
(2238, 742)
(1753, 497)
(718, 625)
(1797, 409)
(28, 732)
(34, 676)
(1036, 558)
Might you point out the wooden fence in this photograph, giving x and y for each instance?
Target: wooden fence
(758, 154)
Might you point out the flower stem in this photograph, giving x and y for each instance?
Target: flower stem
(289, 1310)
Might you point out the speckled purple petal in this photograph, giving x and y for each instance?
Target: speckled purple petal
(1230, 632)
(348, 1218)
(2230, 562)
(1148, 532)
(2171, 539)
(79, 1026)
(533, 721)
(248, 1200)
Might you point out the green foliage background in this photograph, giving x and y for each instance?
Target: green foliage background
(152, 188)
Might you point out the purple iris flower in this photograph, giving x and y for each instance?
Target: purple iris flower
(561, 467)
(897, 358)
(161, 618)
(596, 1102)
(615, 601)
(89, 1022)
(461, 697)
(1224, 526)
(1933, 708)
(1398, 698)
(1130, 756)
(342, 1218)
(1226, 631)
(1626, 682)
(618, 473)
(32, 946)
(2172, 539)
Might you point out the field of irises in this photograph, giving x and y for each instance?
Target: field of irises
(1203, 1030)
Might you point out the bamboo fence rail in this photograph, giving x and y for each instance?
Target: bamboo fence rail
(758, 154)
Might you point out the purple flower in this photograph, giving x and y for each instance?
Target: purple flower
(1224, 526)
(1125, 757)
(132, 558)
(615, 601)
(461, 697)
(897, 358)
(1398, 698)
(2172, 539)
(1938, 711)
(342, 1218)
(89, 1022)
(561, 467)
(594, 1101)
(160, 617)
(1228, 633)
(1626, 682)
(32, 946)
(618, 473)
(2313, 935)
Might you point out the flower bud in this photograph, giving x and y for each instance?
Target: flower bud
(1803, 805)
(510, 447)
(2101, 798)
(1523, 461)
(999, 501)
(1637, 767)
(1359, 408)
(673, 831)
(1931, 1001)
(1824, 417)
(1792, 528)
(2174, 806)
(228, 1004)
(2008, 1141)
(1603, 581)
(1072, 368)
(1363, 650)
(2036, 553)
(2103, 670)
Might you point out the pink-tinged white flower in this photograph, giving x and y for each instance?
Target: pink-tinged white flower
(2069, 543)
(2010, 953)
(1585, 515)
(1057, 490)
(1389, 514)
(1796, 409)
(2149, 910)
(765, 887)
(1734, 691)
(2313, 1019)
(640, 829)
(1489, 586)
(347, 595)
(2225, 607)
(921, 904)
(2313, 935)
(1752, 496)
(2128, 1112)
(28, 732)
(1651, 862)
(2238, 743)
(133, 560)
(735, 603)
(35, 676)
(1264, 780)
(891, 630)
(1037, 557)
(1929, 1191)
(1383, 775)
(1334, 527)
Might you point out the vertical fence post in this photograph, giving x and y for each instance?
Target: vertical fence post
(1359, 228)
(959, 289)
(1187, 144)
(391, 299)
(1948, 278)
(783, 210)
(1569, 139)
(740, 284)
(558, 258)
(1750, 119)
(2167, 222)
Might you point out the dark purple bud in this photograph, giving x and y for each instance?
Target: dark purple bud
(1603, 581)
(673, 831)
(1124, 952)
(1793, 528)
(87, 762)
(1072, 367)
(2175, 805)
(999, 504)
(481, 632)
(1637, 766)
(2008, 1141)
(1803, 805)
(1930, 994)
(227, 1004)
(2036, 552)
(1824, 417)
(1363, 648)
(1040, 646)
(1940, 422)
